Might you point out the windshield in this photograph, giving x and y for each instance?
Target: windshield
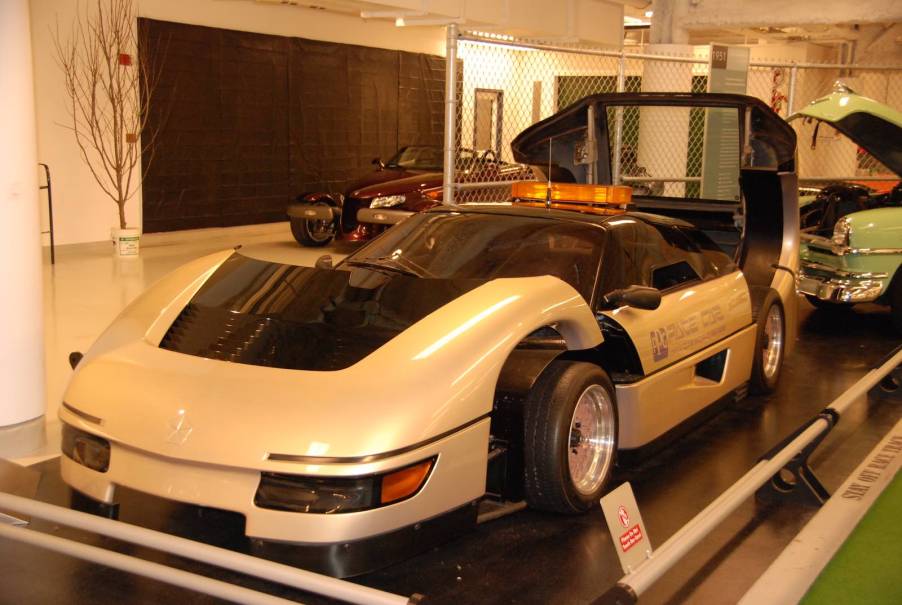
(418, 157)
(452, 245)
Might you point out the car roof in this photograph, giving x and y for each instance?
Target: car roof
(604, 221)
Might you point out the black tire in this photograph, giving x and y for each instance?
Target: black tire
(895, 300)
(766, 369)
(312, 233)
(825, 305)
(549, 414)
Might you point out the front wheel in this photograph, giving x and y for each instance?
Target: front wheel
(770, 346)
(570, 437)
(313, 233)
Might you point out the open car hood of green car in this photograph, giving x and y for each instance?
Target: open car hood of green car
(872, 125)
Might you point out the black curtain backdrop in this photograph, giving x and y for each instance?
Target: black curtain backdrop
(246, 122)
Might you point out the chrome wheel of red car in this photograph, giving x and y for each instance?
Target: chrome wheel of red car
(313, 232)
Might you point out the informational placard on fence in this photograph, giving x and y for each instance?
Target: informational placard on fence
(627, 529)
(720, 167)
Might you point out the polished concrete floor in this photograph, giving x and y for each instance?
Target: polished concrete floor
(527, 557)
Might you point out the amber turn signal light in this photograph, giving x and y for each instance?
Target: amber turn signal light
(405, 482)
(572, 192)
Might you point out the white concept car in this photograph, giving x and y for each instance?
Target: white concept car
(470, 353)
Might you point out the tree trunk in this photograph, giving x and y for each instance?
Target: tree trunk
(121, 205)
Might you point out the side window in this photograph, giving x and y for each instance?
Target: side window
(662, 256)
(669, 276)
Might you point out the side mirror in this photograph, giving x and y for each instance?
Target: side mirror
(640, 297)
(378, 162)
(324, 262)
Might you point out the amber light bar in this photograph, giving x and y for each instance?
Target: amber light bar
(614, 195)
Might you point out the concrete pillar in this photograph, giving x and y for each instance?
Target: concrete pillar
(21, 304)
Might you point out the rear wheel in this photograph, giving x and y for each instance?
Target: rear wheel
(770, 346)
(570, 437)
(313, 233)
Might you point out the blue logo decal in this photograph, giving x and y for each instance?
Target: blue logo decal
(659, 344)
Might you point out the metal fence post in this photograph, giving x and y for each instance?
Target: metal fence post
(449, 171)
(791, 95)
(618, 122)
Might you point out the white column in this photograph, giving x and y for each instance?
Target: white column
(21, 304)
(664, 131)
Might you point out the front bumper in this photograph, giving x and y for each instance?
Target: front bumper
(831, 284)
(382, 216)
(313, 212)
(457, 479)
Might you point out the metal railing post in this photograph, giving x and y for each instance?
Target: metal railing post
(618, 123)
(449, 171)
(791, 95)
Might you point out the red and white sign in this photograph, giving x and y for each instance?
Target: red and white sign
(624, 516)
(624, 521)
(630, 537)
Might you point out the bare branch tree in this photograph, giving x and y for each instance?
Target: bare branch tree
(110, 81)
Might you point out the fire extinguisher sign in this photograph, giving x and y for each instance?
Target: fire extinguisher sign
(625, 524)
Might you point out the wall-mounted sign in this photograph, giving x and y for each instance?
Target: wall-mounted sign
(728, 73)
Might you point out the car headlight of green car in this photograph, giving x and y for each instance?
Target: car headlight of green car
(841, 233)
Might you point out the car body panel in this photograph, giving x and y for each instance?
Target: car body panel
(720, 306)
(862, 269)
(374, 399)
(457, 479)
(648, 409)
(841, 108)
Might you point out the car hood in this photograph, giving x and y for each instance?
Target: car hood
(429, 379)
(871, 125)
(403, 184)
(380, 176)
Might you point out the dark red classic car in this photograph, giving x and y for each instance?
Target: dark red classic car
(410, 182)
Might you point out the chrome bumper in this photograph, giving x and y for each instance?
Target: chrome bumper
(313, 212)
(381, 217)
(836, 285)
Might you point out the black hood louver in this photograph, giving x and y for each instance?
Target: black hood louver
(282, 316)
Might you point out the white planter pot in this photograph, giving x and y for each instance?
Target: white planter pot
(126, 242)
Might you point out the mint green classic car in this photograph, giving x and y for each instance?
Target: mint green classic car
(851, 248)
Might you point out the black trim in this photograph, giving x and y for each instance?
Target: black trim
(83, 415)
(346, 559)
(618, 594)
(371, 457)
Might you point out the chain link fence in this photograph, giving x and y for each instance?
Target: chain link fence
(504, 85)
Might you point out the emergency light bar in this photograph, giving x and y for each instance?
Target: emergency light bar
(597, 199)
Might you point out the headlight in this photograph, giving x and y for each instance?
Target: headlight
(86, 449)
(387, 201)
(332, 495)
(841, 232)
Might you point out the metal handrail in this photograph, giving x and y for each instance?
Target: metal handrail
(49, 189)
(189, 549)
(631, 586)
(156, 571)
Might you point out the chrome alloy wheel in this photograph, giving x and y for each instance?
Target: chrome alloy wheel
(591, 447)
(772, 347)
